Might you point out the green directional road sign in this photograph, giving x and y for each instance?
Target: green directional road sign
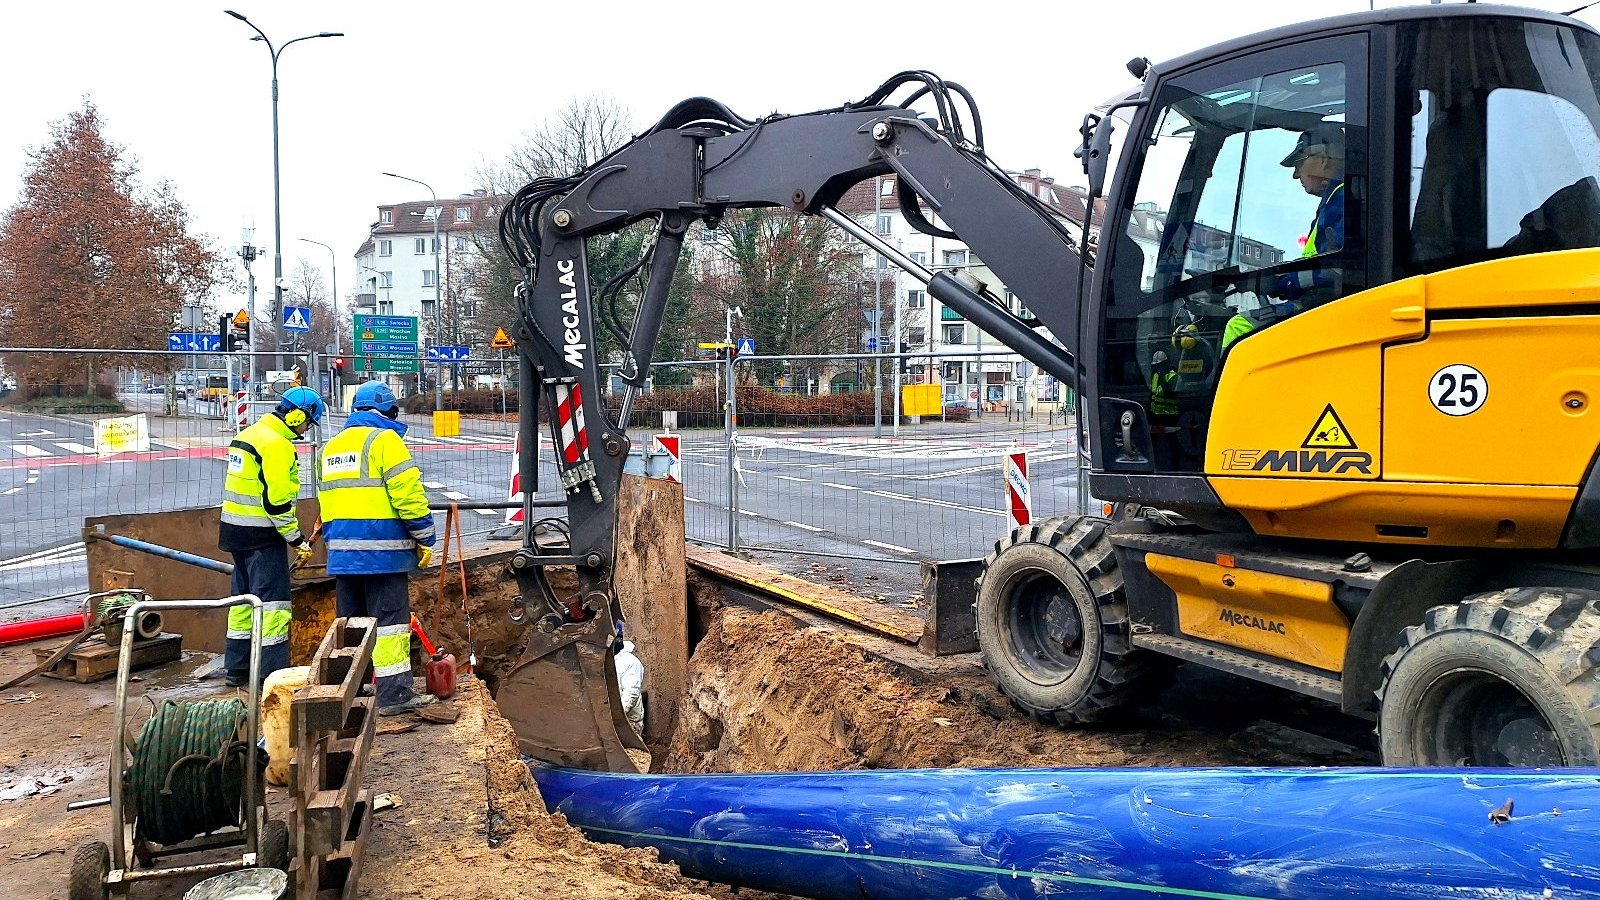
(385, 344)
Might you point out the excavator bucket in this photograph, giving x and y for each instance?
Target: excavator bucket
(562, 699)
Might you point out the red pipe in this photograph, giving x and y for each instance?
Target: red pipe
(39, 629)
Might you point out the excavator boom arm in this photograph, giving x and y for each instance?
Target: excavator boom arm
(698, 165)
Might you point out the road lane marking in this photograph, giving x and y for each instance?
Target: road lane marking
(487, 512)
(73, 446)
(893, 547)
(946, 504)
(433, 485)
(803, 525)
(791, 478)
(8, 492)
(455, 495)
(29, 449)
(842, 487)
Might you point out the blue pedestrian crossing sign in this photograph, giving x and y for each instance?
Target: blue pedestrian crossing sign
(297, 318)
(747, 346)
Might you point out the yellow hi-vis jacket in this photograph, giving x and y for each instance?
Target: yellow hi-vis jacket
(374, 508)
(259, 491)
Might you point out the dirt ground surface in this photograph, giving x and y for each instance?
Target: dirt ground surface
(768, 691)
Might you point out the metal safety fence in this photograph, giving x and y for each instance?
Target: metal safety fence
(863, 457)
(860, 458)
(87, 433)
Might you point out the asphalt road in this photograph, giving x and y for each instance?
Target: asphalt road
(812, 499)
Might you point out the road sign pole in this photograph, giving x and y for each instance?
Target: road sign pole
(502, 382)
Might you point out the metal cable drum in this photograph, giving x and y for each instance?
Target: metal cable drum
(187, 777)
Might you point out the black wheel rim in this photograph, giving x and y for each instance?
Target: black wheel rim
(1047, 631)
(1474, 717)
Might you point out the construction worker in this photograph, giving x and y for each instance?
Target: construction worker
(630, 681)
(258, 524)
(1317, 161)
(378, 528)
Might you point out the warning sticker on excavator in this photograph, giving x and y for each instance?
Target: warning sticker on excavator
(1329, 432)
(1328, 449)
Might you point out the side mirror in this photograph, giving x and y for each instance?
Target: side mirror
(1098, 156)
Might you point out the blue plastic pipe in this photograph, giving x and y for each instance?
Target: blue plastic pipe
(166, 553)
(1110, 833)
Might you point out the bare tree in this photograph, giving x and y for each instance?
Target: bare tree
(583, 132)
(798, 282)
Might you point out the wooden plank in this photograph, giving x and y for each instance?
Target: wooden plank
(652, 587)
(827, 601)
(342, 663)
(328, 807)
(335, 877)
(96, 660)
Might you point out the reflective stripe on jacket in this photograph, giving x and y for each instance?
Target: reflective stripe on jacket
(275, 616)
(263, 481)
(374, 508)
(1163, 402)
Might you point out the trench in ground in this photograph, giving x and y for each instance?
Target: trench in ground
(772, 690)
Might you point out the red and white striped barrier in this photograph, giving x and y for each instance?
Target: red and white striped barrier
(1019, 497)
(514, 516)
(241, 410)
(668, 444)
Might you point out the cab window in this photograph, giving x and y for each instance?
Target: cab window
(1504, 157)
(1244, 211)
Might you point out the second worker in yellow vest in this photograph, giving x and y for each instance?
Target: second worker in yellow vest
(376, 521)
(259, 524)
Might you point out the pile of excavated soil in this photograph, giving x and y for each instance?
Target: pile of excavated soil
(769, 693)
(471, 825)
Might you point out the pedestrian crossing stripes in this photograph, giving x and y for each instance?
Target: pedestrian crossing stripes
(66, 554)
(44, 448)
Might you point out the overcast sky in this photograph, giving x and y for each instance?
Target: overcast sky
(432, 90)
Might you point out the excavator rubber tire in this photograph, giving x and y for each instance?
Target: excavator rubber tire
(1065, 567)
(1509, 678)
(90, 866)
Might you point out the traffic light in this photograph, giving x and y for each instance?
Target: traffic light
(225, 333)
(905, 361)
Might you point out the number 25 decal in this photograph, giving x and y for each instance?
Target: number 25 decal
(1458, 390)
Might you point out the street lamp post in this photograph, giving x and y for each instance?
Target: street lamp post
(333, 263)
(277, 194)
(438, 380)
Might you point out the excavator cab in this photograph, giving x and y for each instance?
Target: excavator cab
(1324, 249)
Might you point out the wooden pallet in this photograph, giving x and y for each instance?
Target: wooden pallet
(96, 660)
(334, 876)
(331, 779)
(333, 728)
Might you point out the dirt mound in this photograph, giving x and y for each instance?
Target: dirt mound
(440, 839)
(768, 693)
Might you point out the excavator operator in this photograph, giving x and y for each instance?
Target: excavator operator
(1317, 162)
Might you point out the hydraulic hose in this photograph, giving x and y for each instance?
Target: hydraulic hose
(187, 777)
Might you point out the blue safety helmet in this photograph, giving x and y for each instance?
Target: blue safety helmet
(299, 404)
(375, 395)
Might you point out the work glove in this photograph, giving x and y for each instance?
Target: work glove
(302, 555)
(424, 556)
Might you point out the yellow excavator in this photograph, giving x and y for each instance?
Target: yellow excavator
(1334, 326)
